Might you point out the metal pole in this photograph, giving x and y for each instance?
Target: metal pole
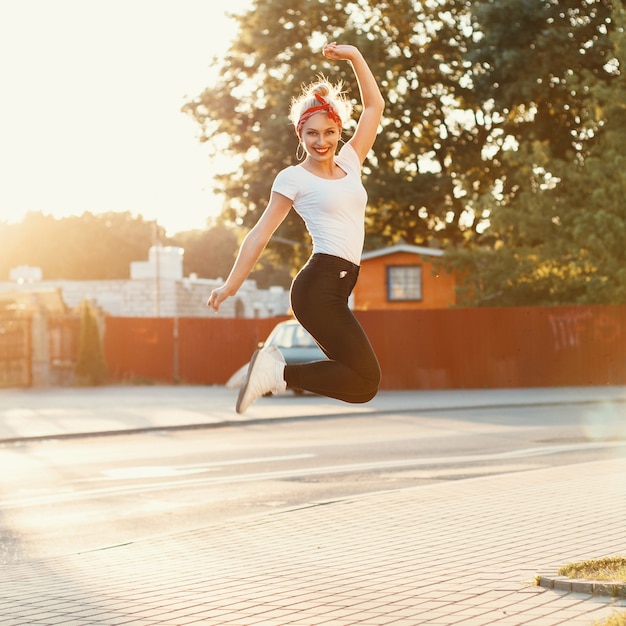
(157, 272)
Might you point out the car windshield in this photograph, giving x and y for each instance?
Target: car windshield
(291, 336)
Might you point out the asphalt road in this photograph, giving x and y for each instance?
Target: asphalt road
(74, 495)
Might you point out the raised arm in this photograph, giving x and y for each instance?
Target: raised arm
(371, 99)
(251, 247)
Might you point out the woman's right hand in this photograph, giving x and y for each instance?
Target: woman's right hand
(216, 298)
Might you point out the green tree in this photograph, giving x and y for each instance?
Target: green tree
(208, 253)
(493, 115)
(86, 247)
(91, 368)
(427, 165)
(557, 221)
(524, 57)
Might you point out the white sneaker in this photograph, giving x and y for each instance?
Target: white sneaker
(265, 375)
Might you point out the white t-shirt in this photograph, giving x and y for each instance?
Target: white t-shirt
(332, 209)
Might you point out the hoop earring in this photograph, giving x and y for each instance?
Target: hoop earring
(300, 152)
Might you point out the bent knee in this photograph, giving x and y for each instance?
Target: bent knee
(368, 391)
(369, 396)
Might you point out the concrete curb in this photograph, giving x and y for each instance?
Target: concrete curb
(243, 420)
(612, 589)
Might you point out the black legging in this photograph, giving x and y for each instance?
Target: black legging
(319, 300)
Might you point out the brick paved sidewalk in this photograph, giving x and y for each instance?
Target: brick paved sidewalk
(458, 552)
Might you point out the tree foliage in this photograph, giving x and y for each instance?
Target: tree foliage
(502, 119)
(85, 247)
(427, 158)
(208, 253)
(557, 219)
(102, 247)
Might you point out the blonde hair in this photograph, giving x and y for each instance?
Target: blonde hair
(330, 92)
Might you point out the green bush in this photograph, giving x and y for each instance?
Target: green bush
(91, 368)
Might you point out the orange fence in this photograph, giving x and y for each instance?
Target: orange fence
(189, 350)
(210, 351)
(430, 349)
(500, 347)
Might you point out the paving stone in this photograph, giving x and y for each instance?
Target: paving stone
(445, 553)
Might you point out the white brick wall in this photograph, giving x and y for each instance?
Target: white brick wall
(176, 297)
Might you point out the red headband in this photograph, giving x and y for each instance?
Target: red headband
(311, 111)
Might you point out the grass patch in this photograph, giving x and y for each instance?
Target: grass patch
(609, 569)
(615, 619)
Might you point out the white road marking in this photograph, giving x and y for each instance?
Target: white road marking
(121, 490)
(165, 471)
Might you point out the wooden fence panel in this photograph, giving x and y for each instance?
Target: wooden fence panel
(63, 339)
(210, 351)
(428, 349)
(63, 346)
(15, 351)
(139, 348)
(499, 347)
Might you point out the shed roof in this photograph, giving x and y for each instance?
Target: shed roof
(401, 247)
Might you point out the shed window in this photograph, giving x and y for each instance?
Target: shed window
(404, 282)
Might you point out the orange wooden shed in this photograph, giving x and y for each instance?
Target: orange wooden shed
(403, 277)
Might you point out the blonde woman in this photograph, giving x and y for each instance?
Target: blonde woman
(326, 191)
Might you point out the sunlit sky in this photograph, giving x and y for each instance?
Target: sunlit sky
(90, 108)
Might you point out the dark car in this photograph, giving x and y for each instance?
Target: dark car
(293, 341)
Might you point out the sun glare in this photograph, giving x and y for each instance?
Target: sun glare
(91, 107)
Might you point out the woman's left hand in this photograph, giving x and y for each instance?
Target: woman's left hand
(339, 52)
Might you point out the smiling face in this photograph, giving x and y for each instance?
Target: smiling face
(320, 136)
